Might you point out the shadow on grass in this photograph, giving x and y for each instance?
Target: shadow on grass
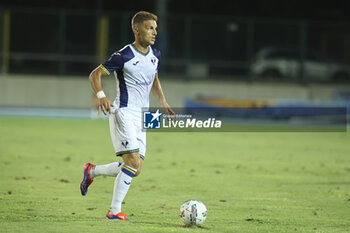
(159, 224)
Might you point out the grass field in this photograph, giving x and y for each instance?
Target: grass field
(250, 182)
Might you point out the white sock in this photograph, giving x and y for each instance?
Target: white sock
(111, 169)
(121, 187)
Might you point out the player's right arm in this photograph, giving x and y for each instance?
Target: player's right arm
(96, 84)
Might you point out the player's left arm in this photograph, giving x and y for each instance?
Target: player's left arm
(158, 93)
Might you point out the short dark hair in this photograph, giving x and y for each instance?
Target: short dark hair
(141, 16)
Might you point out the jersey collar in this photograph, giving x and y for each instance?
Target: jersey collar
(144, 54)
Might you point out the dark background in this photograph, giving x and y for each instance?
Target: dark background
(334, 10)
(61, 37)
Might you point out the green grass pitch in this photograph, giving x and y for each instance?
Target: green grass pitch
(250, 182)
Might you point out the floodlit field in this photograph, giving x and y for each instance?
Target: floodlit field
(250, 182)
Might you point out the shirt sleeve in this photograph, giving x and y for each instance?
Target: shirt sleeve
(114, 62)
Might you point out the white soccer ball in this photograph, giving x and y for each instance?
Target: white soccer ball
(193, 212)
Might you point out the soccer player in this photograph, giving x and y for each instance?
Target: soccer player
(136, 70)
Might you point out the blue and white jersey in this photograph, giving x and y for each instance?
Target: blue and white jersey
(134, 72)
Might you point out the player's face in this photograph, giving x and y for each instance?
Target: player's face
(148, 32)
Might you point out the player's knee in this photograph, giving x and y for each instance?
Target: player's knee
(132, 160)
(135, 162)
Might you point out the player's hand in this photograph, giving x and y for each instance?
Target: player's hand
(169, 112)
(105, 106)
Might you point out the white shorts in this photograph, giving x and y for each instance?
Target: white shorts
(127, 136)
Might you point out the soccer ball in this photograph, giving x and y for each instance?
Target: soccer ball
(193, 212)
